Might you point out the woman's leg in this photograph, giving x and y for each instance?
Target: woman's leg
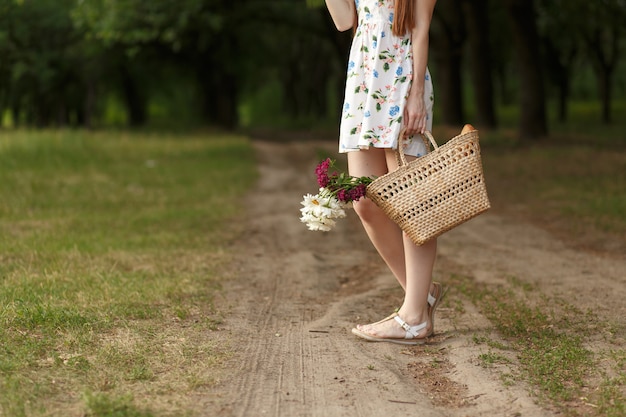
(384, 234)
(411, 264)
(414, 311)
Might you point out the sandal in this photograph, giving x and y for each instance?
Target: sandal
(433, 301)
(410, 338)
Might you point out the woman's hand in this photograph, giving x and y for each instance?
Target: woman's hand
(415, 114)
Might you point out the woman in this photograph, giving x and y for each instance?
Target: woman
(388, 89)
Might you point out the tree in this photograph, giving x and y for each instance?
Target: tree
(38, 62)
(602, 31)
(203, 34)
(533, 121)
(480, 59)
(448, 37)
(561, 44)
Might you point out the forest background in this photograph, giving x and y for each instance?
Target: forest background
(519, 64)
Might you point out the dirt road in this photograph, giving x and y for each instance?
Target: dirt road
(296, 294)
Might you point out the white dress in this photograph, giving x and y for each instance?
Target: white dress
(380, 73)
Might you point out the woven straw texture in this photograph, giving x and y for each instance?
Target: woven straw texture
(437, 192)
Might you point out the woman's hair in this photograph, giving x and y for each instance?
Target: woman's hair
(403, 17)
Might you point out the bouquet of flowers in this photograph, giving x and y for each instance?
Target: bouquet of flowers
(337, 192)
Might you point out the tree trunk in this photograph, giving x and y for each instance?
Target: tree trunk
(533, 123)
(563, 98)
(558, 62)
(448, 36)
(290, 83)
(477, 21)
(604, 87)
(15, 113)
(449, 91)
(62, 114)
(89, 105)
(605, 54)
(219, 93)
(134, 99)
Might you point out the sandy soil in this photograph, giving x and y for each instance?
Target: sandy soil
(296, 294)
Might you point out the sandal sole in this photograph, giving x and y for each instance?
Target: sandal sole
(397, 341)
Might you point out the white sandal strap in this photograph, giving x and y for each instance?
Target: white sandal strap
(411, 331)
(431, 300)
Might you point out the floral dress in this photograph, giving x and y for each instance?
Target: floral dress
(380, 73)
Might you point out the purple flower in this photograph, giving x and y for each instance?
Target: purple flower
(358, 192)
(321, 171)
(344, 187)
(343, 196)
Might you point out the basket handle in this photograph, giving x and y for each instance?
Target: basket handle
(426, 134)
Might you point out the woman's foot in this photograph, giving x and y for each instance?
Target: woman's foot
(434, 297)
(395, 330)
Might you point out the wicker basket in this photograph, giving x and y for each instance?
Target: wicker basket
(434, 193)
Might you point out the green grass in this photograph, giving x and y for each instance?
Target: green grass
(571, 185)
(549, 344)
(101, 405)
(110, 250)
(573, 188)
(553, 360)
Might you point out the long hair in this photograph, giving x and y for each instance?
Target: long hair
(403, 17)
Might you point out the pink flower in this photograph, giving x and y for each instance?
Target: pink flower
(321, 171)
(340, 185)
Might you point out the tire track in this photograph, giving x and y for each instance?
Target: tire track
(298, 358)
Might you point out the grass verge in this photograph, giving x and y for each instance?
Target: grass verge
(549, 347)
(110, 250)
(570, 184)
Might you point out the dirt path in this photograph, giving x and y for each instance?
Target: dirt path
(295, 295)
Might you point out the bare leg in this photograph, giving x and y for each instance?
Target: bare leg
(385, 235)
(412, 265)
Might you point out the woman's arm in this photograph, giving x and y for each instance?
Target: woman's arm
(342, 12)
(415, 114)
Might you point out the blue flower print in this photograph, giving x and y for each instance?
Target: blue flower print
(427, 77)
(378, 81)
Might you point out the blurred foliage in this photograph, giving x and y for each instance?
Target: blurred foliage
(262, 62)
